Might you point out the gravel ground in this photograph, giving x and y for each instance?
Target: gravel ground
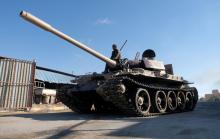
(204, 122)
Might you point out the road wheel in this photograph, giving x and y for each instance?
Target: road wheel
(195, 97)
(181, 101)
(142, 102)
(171, 101)
(160, 101)
(189, 101)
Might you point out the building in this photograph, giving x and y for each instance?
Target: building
(213, 97)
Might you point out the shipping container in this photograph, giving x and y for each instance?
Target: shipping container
(16, 83)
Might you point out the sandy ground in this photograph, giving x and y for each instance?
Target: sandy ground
(204, 122)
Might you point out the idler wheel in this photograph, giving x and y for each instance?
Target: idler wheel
(181, 101)
(161, 101)
(171, 101)
(189, 101)
(142, 101)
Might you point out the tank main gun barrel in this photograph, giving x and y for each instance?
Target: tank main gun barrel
(42, 24)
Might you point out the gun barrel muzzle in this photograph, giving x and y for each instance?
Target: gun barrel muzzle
(33, 19)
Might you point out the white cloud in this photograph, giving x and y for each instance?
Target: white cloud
(105, 21)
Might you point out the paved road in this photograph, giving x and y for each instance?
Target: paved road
(204, 122)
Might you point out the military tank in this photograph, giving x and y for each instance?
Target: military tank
(141, 87)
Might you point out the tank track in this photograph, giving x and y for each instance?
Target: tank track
(120, 99)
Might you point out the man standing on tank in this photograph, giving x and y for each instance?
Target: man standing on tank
(116, 56)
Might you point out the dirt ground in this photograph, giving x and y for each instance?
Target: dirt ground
(204, 122)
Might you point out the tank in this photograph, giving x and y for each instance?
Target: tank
(140, 87)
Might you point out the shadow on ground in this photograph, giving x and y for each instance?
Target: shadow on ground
(201, 123)
(68, 116)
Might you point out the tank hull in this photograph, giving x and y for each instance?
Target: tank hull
(131, 95)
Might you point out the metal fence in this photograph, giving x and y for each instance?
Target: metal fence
(16, 83)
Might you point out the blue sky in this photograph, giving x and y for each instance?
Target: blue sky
(184, 33)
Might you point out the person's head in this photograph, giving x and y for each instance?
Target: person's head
(114, 46)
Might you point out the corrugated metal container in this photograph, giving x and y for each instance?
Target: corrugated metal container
(16, 83)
